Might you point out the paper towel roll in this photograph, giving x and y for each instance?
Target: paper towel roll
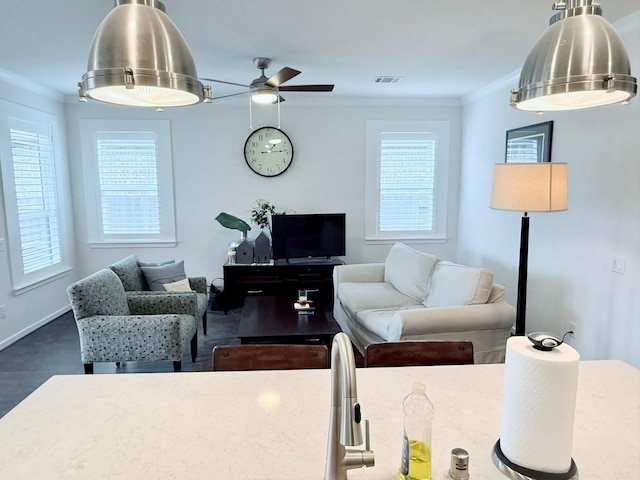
(538, 405)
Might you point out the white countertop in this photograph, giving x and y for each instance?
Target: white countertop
(274, 424)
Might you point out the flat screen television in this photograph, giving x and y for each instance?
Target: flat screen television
(308, 236)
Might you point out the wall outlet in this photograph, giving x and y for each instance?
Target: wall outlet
(3, 314)
(1, 244)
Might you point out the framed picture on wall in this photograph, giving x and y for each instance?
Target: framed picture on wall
(531, 144)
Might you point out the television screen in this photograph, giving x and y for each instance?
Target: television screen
(306, 236)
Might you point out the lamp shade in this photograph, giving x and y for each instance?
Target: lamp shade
(578, 62)
(529, 187)
(139, 57)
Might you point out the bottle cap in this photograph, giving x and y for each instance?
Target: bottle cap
(459, 469)
(418, 387)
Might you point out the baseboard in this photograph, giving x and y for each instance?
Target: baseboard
(33, 327)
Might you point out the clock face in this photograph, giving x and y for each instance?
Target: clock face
(268, 151)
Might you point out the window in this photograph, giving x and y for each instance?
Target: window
(406, 180)
(129, 181)
(35, 221)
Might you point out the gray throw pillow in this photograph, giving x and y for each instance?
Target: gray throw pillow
(155, 264)
(157, 276)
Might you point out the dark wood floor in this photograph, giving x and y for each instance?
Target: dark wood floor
(54, 349)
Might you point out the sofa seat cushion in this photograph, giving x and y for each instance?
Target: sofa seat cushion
(457, 285)
(409, 270)
(356, 297)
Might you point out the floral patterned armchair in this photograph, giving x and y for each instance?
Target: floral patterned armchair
(116, 327)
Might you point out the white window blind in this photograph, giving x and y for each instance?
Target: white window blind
(36, 195)
(406, 180)
(129, 182)
(36, 200)
(128, 178)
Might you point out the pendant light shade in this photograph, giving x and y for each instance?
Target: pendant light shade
(138, 57)
(578, 62)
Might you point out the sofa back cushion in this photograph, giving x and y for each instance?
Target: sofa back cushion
(409, 271)
(101, 293)
(129, 273)
(456, 285)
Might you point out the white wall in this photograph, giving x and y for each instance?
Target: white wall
(33, 308)
(327, 173)
(570, 253)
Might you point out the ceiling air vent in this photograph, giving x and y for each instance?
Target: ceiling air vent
(386, 79)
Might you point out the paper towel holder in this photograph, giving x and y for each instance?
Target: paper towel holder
(546, 341)
(516, 472)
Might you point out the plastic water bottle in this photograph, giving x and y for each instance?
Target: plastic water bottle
(416, 446)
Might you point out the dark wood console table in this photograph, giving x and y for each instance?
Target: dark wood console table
(280, 278)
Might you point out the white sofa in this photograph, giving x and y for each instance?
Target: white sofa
(417, 296)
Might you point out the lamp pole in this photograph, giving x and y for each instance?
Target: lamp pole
(521, 308)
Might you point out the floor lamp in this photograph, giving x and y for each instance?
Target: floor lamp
(528, 187)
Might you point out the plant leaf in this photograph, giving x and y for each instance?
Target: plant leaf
(232, 222)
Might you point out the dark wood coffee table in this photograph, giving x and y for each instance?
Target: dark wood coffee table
(267, 319)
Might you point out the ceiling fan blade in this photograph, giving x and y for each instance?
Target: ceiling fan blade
(230, 95)
(307, 88)
(282, 76)
(225, 82)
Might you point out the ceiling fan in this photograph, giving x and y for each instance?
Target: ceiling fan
(267, 90)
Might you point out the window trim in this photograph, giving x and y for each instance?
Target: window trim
(15, 116)
(375, 129)
(89, 129)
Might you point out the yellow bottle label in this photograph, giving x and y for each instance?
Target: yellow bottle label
(416, 461)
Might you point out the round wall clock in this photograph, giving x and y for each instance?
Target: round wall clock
(268, 151)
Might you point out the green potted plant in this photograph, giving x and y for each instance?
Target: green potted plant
(234, 223)
(261, 211)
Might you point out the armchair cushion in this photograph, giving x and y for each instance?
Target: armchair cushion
(156, 277)
(409, 270)
(456, 285)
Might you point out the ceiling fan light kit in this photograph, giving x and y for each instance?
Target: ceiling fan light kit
(578, 62)
(264, 95)
(138, 57)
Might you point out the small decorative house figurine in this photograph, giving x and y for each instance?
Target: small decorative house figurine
(244, 252)
(262, 248)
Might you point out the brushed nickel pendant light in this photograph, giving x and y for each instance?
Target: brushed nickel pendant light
(138, 57)
(578, 62)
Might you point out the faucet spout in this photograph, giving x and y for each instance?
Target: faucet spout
(345, 415)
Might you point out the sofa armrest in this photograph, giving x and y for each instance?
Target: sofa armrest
(158, 303)
(488, 316)
(359, 273)
(198, 284)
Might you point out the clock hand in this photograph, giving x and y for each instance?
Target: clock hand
(273, 151)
